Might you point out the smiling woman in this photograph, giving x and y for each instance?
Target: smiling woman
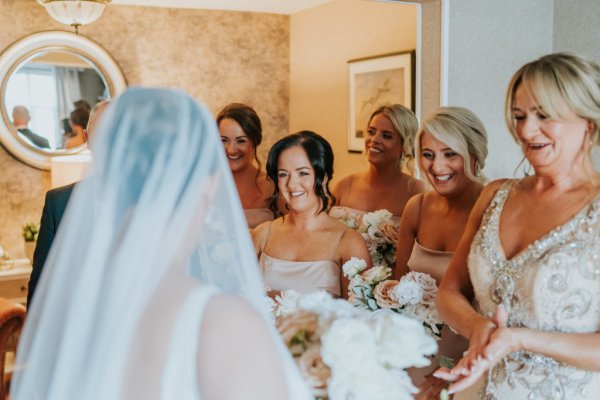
(241, 134)
(451, 148)
(529, 254)
(389, 145)
(305, 250)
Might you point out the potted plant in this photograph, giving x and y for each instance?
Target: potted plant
(30, 234)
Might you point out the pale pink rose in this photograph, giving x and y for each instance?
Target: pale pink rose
(289, 325)
(389, 233)
(315, 372)
(382, 294)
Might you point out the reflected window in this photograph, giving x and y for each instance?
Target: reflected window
(35, 88)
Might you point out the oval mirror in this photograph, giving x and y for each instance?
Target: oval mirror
(50, 82)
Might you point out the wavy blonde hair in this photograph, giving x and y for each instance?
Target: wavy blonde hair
(559, 83)
(406, 125)
(463, 132)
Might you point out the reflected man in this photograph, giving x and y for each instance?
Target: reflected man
(21, 120)
(54, 208)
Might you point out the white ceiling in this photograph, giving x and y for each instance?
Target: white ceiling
(266, 6)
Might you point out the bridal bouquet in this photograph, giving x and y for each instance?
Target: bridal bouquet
(347, 353)
(377, 229)
(414, 295)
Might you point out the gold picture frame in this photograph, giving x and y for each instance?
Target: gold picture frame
(372, 81)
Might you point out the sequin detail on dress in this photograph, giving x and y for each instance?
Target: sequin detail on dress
(552, 285)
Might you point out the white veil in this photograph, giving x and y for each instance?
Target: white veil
(157, 216)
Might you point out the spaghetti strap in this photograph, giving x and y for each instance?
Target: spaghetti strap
(338, 244)
(419, 215)
(410, 186)
(264, 248)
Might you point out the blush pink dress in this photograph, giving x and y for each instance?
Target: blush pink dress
(302, 276)
(435, 263)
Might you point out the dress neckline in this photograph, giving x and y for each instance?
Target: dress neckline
(263, 254)
(539, 243)
(431, 251)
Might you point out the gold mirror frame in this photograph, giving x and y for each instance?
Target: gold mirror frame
(24, 49)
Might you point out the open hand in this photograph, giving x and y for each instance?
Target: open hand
(479, 358)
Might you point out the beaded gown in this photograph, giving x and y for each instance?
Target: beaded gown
(552, 285)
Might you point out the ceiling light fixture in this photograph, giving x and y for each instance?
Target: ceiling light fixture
(74, 12)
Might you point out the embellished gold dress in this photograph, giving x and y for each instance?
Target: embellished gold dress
(552, 285)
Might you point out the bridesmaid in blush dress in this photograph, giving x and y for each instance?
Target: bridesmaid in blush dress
(305, 249)
(389, 141)
(451, 149)
(241, 134)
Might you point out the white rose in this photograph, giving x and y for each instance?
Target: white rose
(401, 341)
(353, 266)
(322, 303)
(375, 379)
(287, 302)
(428, 315)
(427, 283)
(376, 274)
(319, 301)
(407, 292)
(348, 345)
(376, 217)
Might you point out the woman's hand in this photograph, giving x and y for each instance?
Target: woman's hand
(431, 388)
(502, 341)
(481, 331)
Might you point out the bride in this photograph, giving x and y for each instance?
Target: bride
(130, 305)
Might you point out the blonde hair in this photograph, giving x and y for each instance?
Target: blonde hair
(406, 125)
(559, 83)
(463, 132)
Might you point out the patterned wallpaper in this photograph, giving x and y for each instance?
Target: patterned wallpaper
(216, 56)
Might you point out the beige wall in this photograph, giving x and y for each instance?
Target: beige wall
(322, 40)
(216, 56)
(488, 42)
(577, 30)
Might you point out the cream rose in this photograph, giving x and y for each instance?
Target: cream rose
(315, 371)
(376, 274)
(382, 294)
(290, 325)
(389, 233)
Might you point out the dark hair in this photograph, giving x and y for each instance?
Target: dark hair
(248, 120)
(80, 116)
(82, 104)
(67, 131)
(319, 153)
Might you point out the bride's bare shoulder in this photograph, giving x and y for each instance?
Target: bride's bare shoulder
(237, 354)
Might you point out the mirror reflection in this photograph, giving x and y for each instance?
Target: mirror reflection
(49, 97)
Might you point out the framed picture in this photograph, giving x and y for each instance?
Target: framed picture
(387, 78)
